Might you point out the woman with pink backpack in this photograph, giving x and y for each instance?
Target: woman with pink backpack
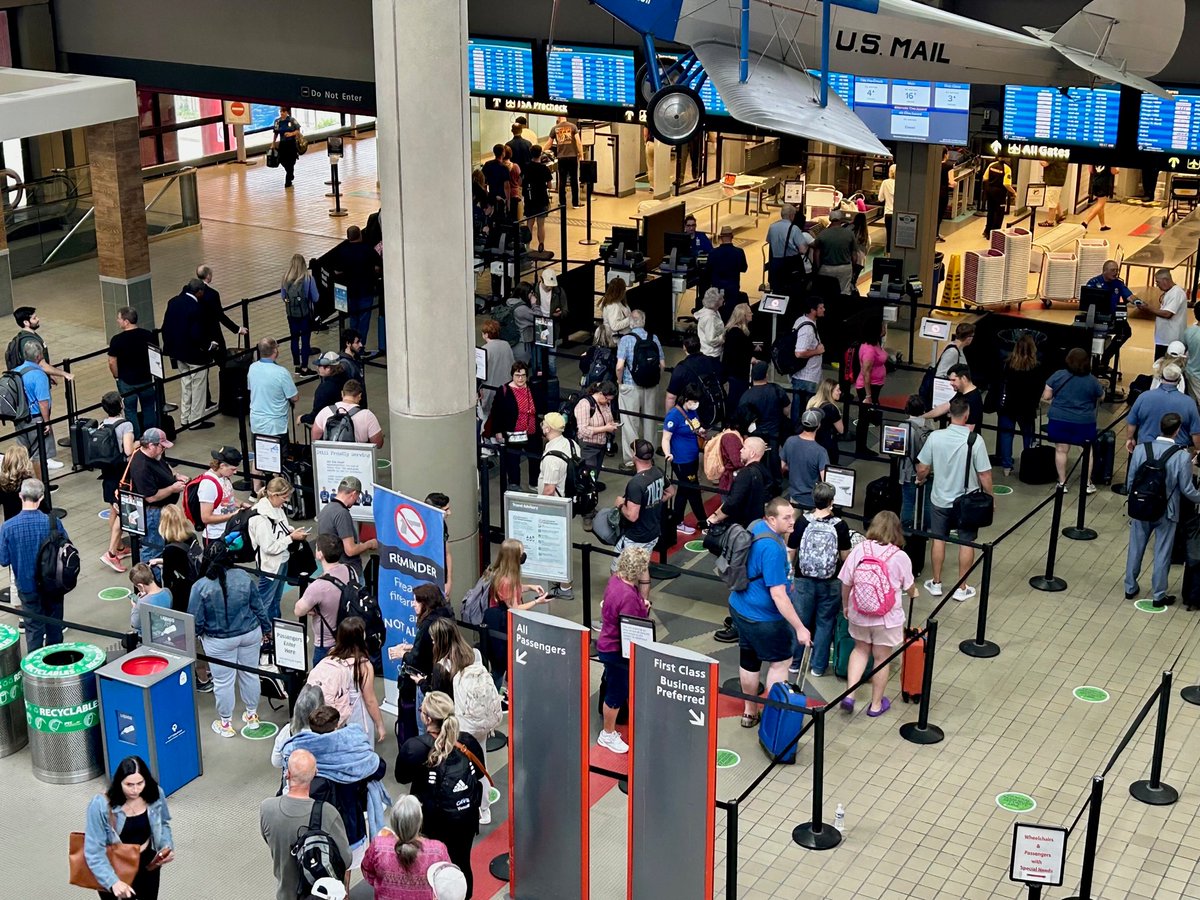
(873, 577)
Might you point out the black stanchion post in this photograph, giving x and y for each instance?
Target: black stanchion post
(920, 731)
(1191, 694)
(1079, 531)
(816, 835)
(44, 468)
(485, 514)
(587, 585)
(1091, 840)
(499, 867)
(337, 212)
(1153, 791)
(731, 850)
(247, 484)
(245, 305)
(135, 548)
(981, 647)
(1049, 582)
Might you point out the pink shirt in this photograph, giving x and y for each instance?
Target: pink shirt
(878, 358)
(899, 568)
(620, 599)
(382, 870)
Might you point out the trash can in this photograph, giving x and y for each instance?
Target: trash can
(62, 710)
(13, 733)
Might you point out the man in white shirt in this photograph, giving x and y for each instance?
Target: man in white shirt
(887, 196)
(552, 477)
(1170, 318)
(809, 350)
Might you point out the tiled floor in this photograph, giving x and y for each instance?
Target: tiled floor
(921, 821)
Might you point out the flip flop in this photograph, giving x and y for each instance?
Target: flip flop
(749, 720)
(883, 707)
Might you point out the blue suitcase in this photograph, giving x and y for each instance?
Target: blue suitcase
(779, 728)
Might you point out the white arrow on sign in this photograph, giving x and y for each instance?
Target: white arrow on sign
(520, 657)
(697, 718)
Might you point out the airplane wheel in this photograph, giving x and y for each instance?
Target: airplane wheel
(643, 81)
(675, 114)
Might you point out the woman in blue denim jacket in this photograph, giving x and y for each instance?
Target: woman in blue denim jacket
(133, 811)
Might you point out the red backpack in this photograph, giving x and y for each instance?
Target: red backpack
(191, 497)
(871, 590)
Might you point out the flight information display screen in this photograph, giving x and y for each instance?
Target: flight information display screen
(1084, 117)
(713, 104)
(602, 76)
(1170, 125)
(503, 68)
(897, 109)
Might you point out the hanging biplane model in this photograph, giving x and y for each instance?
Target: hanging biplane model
(757, 54)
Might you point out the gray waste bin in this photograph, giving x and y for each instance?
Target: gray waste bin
(62, 710)
(13, 733)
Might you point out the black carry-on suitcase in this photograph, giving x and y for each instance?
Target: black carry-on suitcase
(233, 392)
(1104, 452)
(882, 493)
(915, 545)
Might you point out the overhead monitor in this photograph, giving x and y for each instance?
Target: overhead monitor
(899, 109)
(1083, 117)
(603, 76)
(1170, 125)
(500, 67)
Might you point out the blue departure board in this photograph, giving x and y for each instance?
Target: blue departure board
(601, 76)
(1170, 125)
(500, 68)
(897, 109)
(713, 104)
(1084, 117)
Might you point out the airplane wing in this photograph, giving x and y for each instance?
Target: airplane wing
(780, 98)
(1102, 69)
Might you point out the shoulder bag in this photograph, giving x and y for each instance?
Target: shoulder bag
(124, 858)
(973, 509)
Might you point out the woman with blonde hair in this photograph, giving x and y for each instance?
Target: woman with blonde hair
(271, 536)
(826, 399)
(736, 353)
(451, 753)
(505, 592)
(614, 315)
(299, 292)
(876, 626)
(397, 863)
(15, 468)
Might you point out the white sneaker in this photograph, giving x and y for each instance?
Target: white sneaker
(934, 588)
(966, 592)
(53, 464)
(685, 529)
(611, 740)
(485, 816)
(1091, 488)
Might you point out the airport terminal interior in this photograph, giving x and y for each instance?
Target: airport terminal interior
(991, 178)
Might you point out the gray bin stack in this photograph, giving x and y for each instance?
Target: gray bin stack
(13, 733)
(62, 710)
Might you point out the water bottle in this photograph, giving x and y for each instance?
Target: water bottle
(839, 818)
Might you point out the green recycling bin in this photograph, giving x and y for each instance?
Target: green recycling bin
(62, 710)
(13, 733)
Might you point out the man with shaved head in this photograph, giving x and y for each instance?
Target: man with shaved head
(749, 492)
(282, 818)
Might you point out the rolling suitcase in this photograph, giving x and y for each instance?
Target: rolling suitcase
(1104, 451)
(233, 393)
(779, 730)
(80, 429)
(915, 545)
(843, 644)
(882, 493)
(912, 662)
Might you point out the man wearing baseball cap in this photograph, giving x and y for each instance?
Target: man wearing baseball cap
(150, 476)
(726, 264)
(552, 476)
(329, 388)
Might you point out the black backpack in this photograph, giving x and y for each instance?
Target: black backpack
(316, 854)
(509, 329)
(567, 410)
(1148, 494)
(783, 351)
(297, 302)
(57, 563)
(357, 600)
(646, 370)
(340, 425)
(598, 364)
(580, 483)
(239, 528)
(455, 791)
(712, 400)
(14, 402)
(14, 353)
(100, 446)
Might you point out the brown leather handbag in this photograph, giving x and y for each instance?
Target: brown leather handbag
(124, 858)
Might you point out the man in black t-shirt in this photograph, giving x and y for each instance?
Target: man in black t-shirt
(960, 380)
(750, 491)
(152, 478)
(329, 388)
(536, 180)
(130, 366)
(641, 504)
(766, 406)
(693, 369)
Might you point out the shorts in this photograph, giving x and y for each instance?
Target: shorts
(1077, 433)
(535, 208)
(878, 635)
(109, 487)
(616, 678)
(624, 542)
(761, 642)
(941, 522)
(1053, 196)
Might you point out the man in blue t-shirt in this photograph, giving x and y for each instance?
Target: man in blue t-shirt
(764, 614)
(1119, 295)
(36, 438)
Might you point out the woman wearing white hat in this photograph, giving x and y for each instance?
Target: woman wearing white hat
(549, 300)
(1176, 355)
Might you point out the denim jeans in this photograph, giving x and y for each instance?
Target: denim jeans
(152, 545)
(243, 650)
(421, 699)
(908, 506)
(301, 333)
(544, 361)
(41, 634)
(1004, 439)
(817, 601)
(271, 590)
(802, 392)
(147, 396)
(360, 321)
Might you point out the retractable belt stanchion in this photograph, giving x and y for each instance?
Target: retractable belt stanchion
(920, 731)
(587, 174)
(731, 849)
(1152, 790)
(1050, 582)
(981, 647)
(1091, 840)
(1079, 531)
(816, 835)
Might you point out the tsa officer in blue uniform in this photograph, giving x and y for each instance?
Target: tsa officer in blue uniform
(1119, 294)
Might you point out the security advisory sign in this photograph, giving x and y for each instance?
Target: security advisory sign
(548, 747)
(672, 771)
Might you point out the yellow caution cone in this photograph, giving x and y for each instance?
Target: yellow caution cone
(952, 298)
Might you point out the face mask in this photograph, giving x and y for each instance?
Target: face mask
(691, 407)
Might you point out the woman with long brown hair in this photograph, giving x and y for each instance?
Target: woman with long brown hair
(347, 679)
(1020, 388)
(614, 315)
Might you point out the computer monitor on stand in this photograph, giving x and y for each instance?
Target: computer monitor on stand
(677, 250)
(1095, 306)
(624, 239)
(888, 274)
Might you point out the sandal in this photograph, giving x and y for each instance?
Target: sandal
(884, 706)
(749, 720)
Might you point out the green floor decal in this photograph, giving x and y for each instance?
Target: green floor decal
(1015, 802)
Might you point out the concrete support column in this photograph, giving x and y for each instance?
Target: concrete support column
(121, 240)
(918, 177)
(6, 288)
(420, 76)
